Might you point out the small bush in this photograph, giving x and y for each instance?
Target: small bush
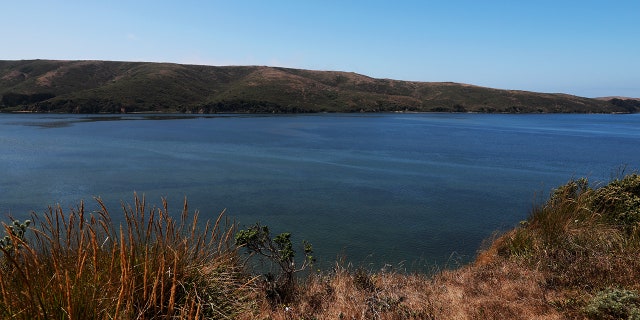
(614, 304)
(15, 236)
(619, 201)
(279, 250)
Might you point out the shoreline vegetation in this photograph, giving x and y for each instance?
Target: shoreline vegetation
(577, 256)
(92, 87)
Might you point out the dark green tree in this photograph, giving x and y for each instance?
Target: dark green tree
(279, 250)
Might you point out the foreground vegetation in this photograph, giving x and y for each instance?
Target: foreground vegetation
(114, 87)
(577, 256)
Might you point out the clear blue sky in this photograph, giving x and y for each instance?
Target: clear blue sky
(587, 48)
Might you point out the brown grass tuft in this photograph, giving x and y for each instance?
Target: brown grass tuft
(81, 266)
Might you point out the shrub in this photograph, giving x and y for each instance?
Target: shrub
(278, 250)
(619, 202)
(614, 304)
(14, 237)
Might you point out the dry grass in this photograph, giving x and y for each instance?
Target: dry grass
(344, 293)
(496, 291)
(500, 290)
(80, 266)
(582, 242)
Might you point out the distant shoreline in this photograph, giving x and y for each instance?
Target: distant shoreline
(96, 87)
(297, 113)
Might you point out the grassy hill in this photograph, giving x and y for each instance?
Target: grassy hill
(110, 86)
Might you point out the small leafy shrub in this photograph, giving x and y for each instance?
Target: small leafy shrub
(619, 201)
(614, 304)
(278, 250)
(15, 234)
(572, 190)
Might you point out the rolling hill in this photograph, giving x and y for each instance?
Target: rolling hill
(113, 87)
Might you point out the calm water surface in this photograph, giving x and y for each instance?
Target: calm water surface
(404, 189)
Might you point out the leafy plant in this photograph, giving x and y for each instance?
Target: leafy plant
(279, 250)
(614, 304)
(15, 235)
(620, 201)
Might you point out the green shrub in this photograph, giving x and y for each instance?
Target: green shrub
(279, 250)
(614, 304)
(619, 202)
(15, 235)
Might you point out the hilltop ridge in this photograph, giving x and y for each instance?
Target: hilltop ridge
(114, 86)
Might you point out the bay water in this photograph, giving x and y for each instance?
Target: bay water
(408, 190)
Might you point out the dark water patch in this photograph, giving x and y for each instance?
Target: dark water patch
(61, 121)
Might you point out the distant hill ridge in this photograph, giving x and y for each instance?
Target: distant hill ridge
(113, 87)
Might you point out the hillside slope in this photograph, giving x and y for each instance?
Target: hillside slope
(111, 86)
(577, 256)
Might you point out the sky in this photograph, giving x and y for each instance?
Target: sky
(586, 48)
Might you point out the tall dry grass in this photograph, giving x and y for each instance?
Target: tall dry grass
(348, 293)
(583, 237)
(495, 291)
(584, 240)
(79, 265)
